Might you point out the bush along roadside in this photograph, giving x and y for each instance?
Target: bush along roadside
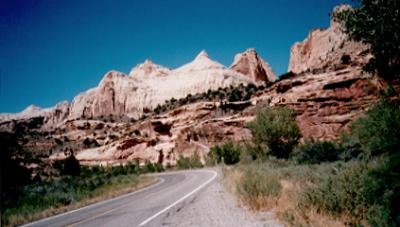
(191, 162)
(228, 153)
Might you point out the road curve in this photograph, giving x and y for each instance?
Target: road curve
(146, 207)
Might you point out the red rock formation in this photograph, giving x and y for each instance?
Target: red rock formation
(253, 66)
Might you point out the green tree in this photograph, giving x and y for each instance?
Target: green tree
(235, 95)
(315, 152)
(71, 165)
(275, 130)
(13, 172)
(379, 131)
(377, 23)
(228, 152)
(189, 162)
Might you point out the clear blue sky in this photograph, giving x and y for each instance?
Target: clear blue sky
(52, 50)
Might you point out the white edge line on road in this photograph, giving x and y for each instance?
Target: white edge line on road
(179, 200)
(160, 181)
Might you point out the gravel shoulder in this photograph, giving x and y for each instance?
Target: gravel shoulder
(215, 206)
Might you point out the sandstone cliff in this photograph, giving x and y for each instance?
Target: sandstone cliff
(324, 48)
(149, 85)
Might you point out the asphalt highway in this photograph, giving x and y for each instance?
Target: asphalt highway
(145, 207)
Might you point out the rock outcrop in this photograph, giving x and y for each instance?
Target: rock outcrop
(57, 114)
(202, 62)
(49, 117)
(29, 112)
(325, 103)
(326, 47)
(253, 66)
(149, 85)
(148, 70)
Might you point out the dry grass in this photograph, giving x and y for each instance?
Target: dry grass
(107, 192)
(288, 211)
(284, 204)
(234, 180)
(231, 177)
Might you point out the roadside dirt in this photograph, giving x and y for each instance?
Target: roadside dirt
(215, 206)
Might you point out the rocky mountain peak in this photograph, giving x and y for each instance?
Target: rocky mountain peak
(251, 51)
(249, 63)
(148, 69)
(112, 75)
(31, 109)
(201, 62)
(148, 62)
(202, 54)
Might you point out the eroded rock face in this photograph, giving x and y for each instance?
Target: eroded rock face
(118, 95)
(190, 129)
(50, 117)
(253, 66)
(31, 111)
(149, 85)
(326, 47)
(148, 69)
(325, 103)
(58, 114)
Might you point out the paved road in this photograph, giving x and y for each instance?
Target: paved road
(146, 207)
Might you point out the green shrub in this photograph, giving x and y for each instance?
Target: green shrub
(287, 75)
(364, 191)
(229, 153)
(149, 167)
(158, 167)
(379, 131)
(339, 192)
(183, 163)
(275, 131)
(132, 168)
(351, 149)
(256, 187)
(71, 166)
(118, 170)
(235, 95)
(314, 152)
(13, 173)
(189, 162)
(382, 192)
(89, 143)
